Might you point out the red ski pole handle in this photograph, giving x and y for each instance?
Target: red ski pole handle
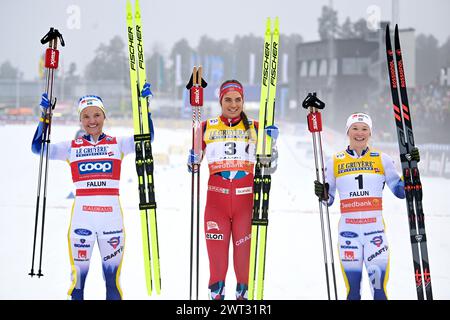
(51, 58)
(314, 122)
(196, 97)
(196, 90)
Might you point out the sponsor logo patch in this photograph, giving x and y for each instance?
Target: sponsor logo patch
(348, 234)
(114, 242)
(214, 236)
(82, 254)
(378, 241)
(95, 167)
(246, 190)
(349, 255)
(97, 208)
(360, 220)
(83, 232)
(211, 225)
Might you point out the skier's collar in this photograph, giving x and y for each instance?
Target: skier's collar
(230, 121)
(89, 138)
(354, 154)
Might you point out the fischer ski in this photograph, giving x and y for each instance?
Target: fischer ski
(51, 64)
(413, 186)
(262, 180)
(143, 148)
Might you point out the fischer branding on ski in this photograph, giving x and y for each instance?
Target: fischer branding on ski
(262, 180)
(143, 149)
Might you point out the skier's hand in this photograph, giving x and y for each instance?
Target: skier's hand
(273, 161)
(45, 103)
(146, 92)
(321, 190)
(193, 161)
(415, 155)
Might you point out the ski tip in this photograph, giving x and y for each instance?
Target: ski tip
(268, 25)
(137, 6)
(129, 10)
(137, 12)
(277, 25)
(388, 38)
(396, 39)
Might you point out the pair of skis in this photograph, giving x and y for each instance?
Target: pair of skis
(51, 64)
(262, 180)
(143, 149)
(413, 186)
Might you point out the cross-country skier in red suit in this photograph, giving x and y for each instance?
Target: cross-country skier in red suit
(229, 142)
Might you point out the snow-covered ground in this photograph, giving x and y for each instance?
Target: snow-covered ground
(294, 268)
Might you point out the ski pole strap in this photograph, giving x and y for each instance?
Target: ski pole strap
(311, 101)
(202, 82)
(51, 35)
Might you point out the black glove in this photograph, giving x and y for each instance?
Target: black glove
(321, 190)
(415, 155)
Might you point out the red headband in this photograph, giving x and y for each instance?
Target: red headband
(230, 86)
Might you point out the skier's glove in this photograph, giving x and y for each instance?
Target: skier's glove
(193, 161)
(146, 92)
(44, 105)
(273, 161)
(415, 155)
(321, 190)
(45, 102)
(273, 132)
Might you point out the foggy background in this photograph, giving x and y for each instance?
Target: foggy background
(335, 48)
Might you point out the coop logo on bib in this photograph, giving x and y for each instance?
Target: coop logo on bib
(95, 167)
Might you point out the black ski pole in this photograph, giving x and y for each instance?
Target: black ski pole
(51, 64)
(195, 86)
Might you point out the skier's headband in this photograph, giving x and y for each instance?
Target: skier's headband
(358, 117)
(230, 86)
(90, 101)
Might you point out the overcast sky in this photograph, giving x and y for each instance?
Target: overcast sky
(86, 23)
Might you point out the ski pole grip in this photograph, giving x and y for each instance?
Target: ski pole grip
(314, 121)
(196, 96)
(311, 101)
(51, 58)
